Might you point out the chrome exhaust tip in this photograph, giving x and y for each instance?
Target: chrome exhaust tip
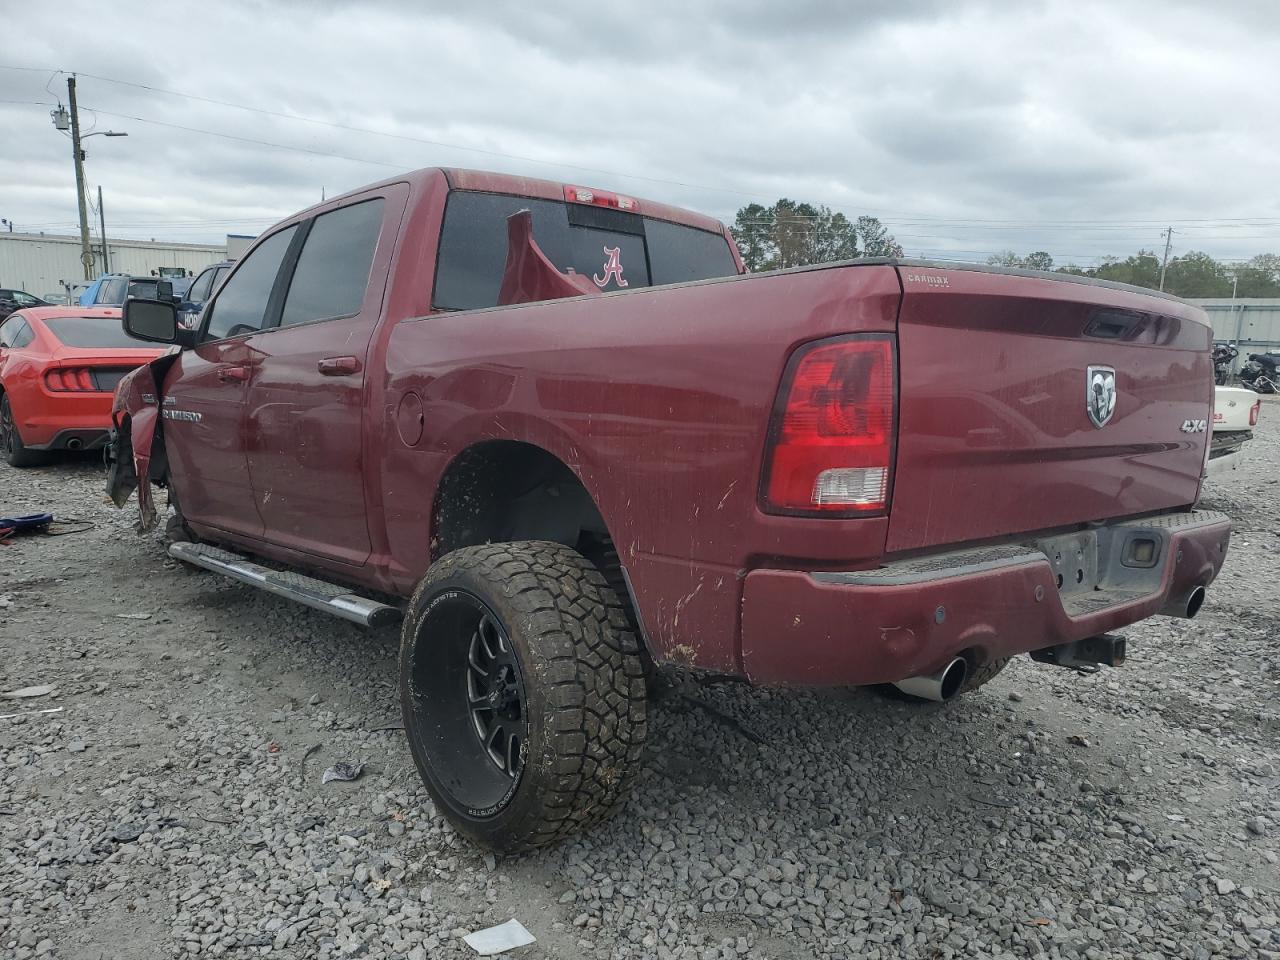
(940, 686)
(1187, 605)
(75, 443)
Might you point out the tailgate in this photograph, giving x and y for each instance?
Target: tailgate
(1006, 416)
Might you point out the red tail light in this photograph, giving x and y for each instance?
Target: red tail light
(600, 198)
(1253, 413)
(831, 440)
(70, 380)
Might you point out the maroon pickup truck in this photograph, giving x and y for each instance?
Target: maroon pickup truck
(563, 434)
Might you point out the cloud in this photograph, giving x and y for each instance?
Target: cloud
(941, 117)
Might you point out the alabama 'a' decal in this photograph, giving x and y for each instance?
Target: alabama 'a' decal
(612, 268)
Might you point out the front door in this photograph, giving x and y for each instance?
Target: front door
(306, 402)
(204, 397)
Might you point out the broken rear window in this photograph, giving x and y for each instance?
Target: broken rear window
(617, 250)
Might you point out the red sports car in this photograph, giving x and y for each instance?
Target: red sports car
(59, 367)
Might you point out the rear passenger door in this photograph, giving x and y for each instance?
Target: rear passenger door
(307, 397)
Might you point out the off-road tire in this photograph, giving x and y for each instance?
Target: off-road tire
(603, 555)
(984, 674)
(15, 452)
(583, 686)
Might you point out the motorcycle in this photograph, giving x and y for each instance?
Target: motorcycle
(1259, 374)
(1223, 354)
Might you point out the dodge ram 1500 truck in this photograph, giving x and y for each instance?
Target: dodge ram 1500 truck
(565, 436)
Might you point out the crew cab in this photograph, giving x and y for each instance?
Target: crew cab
(565, 435)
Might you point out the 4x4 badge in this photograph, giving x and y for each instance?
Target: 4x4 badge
(1100, 394)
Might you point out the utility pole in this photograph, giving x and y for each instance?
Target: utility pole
(1236, 309)
(86, 254)
(102, 224)
(1164, 264)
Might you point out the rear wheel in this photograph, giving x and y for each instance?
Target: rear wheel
(523, 692)
(982, 675)
(11, 446)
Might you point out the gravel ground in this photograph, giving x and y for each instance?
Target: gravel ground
(174, 806)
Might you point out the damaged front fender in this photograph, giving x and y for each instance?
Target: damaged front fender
(136, 451)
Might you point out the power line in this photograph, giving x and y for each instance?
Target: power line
(261, 143)
(1009, 225)
(350, 128)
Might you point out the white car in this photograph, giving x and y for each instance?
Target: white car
(1235, 414)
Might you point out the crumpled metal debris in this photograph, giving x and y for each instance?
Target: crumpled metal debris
(343, 770)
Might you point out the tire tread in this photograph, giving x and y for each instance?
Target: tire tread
(586, 655)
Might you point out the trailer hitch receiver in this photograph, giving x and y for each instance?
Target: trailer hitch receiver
(1084, 655)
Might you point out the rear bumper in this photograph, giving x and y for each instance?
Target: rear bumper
(66, 421)
(92, 438)
(1225, 448)
(912, 616)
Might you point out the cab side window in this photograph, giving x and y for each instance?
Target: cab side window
(199, 291)
(7, 329)
(241, 306)
(333, 268)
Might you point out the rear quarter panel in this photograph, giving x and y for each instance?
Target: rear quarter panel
(659, 401)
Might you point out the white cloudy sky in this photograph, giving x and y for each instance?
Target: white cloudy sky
(968, 126)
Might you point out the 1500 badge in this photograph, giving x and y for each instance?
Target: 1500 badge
(189, 415)
(1194, 426)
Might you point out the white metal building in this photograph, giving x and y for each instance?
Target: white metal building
(39, 263)
(1253, 323)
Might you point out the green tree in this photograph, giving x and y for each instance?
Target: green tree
(1142, 269)
(1197, 274)
(1260, 277)
(753, 232)
(1006, 258)
(791, 234)
(875, 237)
(1194, 274)
(795, 234)
(1039, 260)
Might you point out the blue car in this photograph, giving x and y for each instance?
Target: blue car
(112, 289)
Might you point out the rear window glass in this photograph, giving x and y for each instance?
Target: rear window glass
(93, 332)
(113, 291)
(144, 289)
(617, 250)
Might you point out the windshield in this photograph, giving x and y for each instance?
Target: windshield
(93, 332)
(616, 250)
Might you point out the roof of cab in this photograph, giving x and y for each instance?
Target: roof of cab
(488, 182)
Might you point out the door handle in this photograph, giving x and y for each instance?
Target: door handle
(229, 373)
(338, 366)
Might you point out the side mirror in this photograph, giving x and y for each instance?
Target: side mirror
(152, 320)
